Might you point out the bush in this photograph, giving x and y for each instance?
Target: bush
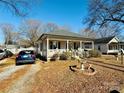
(94, 53)
(63, 57)
(68, 54)
(43, 58)
(39, 56)
(54, 57)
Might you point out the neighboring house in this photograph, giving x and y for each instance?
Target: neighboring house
(59, 41)
(121, 45)
(15, 49)
(28, 48)
(12, 48)
(107, 45)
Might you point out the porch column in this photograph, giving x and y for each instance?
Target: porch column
(67, 45)
(93, 45)
(39, 47)
(47, 48)
(83, 45)
(118, 47)
(80, 44)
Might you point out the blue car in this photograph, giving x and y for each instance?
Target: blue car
(25, 56)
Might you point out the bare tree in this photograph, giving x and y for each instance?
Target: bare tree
(50, 27)
(113, 30)
(103, 13)
(30, 31)
(19, 7)
(15, 36)
(65, 28)
(88, 33)
(7, 32)
(121, 37)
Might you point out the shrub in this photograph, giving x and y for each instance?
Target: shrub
(63, 57)
(39, 56)
(94, 53)
(54, 57)
(43, 58)
(68, 55)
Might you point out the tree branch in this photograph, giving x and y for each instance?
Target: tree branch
(115, 19)
(14, 7)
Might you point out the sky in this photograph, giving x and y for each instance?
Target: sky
(61, 12)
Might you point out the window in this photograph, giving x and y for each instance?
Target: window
(74, 45)
(88, 45)
(113, 47)
(58, 45)
(53, 45)
(122, 46)
(41, 46)
(66, 45)
(99, 48)
(110, 47)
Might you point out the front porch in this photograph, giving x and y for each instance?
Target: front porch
(51, 46)
(113, 48)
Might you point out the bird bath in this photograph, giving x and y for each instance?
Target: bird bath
(87, 69)
(83, 67)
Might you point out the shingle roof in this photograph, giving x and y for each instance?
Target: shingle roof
(103, 40)
(64, 33)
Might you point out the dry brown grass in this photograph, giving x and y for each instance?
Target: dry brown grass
(111, 59)
(9, 61)
(55, 77)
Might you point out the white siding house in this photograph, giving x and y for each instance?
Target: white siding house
(61, 41)
(121, 44)
(107, 45)
(15, 49)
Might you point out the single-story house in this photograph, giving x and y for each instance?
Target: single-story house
(15, 49)
(107, 45)
(59, 41)
(11, 47)
(28, 48)
(121, 45)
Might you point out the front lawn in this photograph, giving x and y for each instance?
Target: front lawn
(111, 59)
(7, 62)
(55, 77)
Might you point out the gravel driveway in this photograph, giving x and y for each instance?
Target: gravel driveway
(22, 85)
(9, 71)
